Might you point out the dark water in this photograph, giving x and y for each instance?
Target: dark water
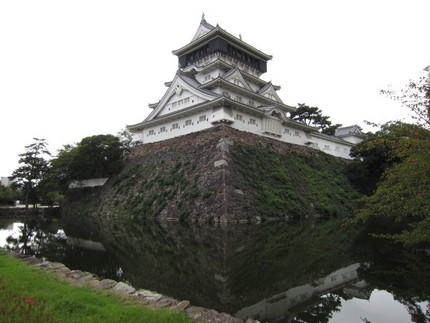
(276, 272)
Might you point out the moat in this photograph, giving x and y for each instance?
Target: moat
(307, 271)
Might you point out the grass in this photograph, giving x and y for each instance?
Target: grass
(29, 294)
(294, 184)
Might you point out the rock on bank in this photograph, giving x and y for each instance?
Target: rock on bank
(219, 175)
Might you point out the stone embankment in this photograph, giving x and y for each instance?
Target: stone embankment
(142, 296)
(22, 212)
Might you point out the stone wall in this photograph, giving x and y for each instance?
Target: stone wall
(191, 178)
(20, 212)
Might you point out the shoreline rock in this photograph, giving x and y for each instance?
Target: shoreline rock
(146, 297)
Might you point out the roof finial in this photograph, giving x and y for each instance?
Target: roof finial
(240, 36)
(203, 16)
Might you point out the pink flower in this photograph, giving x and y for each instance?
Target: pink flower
(29, 300)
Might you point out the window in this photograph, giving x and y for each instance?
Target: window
(326, 147)
(251, 103)
(252, 121)
(202, 118)
(163, 129)
(188, 122)
(337, 148)
(296, 134)
(238, 98)
(287, 131)
(186, 100)
(226, 94)
(174, 104)
(151, 132)
(207, 78)
(236, 81)
(175, 126)
(239, 117)
(180, 102)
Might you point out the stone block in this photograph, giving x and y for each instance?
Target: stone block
(123, 288)
(149, 296)
(221, 162)
(107, 283)
(181, 306)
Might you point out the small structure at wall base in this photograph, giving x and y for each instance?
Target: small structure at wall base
(92, 182)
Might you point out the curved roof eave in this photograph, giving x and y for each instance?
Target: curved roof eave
(331, 138)
(218, 31)
(256, 95)
(174, 115)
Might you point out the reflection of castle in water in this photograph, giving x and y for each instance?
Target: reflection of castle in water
(85, 244)
(283, 306)
(229, 268)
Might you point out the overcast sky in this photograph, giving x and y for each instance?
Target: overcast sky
(71, 69)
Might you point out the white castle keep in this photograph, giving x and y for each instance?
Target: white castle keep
(218, 81)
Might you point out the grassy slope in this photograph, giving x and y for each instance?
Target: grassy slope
(287, 183)
(34, 295)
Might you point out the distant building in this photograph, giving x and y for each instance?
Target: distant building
(218, 81)
(5, 181)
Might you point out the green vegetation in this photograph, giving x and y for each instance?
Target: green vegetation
(33, 168)
(93, 157)
(402, 195)
(294, 184)
(145, 189)
(312, 116)
(29, 294)
(399, 198)
(8, 195)
(43, 181)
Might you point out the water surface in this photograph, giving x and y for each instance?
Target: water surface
(276, 272)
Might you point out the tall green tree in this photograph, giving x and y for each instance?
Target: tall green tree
(93, 157)
(8, 195)
(312, 116)
(34, 165)
(402, 195)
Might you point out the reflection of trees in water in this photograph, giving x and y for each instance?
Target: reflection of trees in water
(44, 239)
(402, 272)
(229, 267)
(33, 235)
(322, 312)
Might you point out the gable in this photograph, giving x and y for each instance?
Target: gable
(203, 29)
(178, 96)
(234, 76)
(269, 91)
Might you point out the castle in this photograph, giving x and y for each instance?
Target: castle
(218, 81)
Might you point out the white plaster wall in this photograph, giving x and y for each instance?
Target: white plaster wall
(289, 134)
(353, 139)
(332, 148)
(92, 182)
(201, 77)
(183, 129)
(188, 99)
(245, 124)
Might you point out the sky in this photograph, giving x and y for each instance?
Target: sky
(72, 69)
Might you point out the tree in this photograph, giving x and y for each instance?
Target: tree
(33, 168)
(415, 97)
(312, 116)
(402, 195)
(93, 157)
(8, 195)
